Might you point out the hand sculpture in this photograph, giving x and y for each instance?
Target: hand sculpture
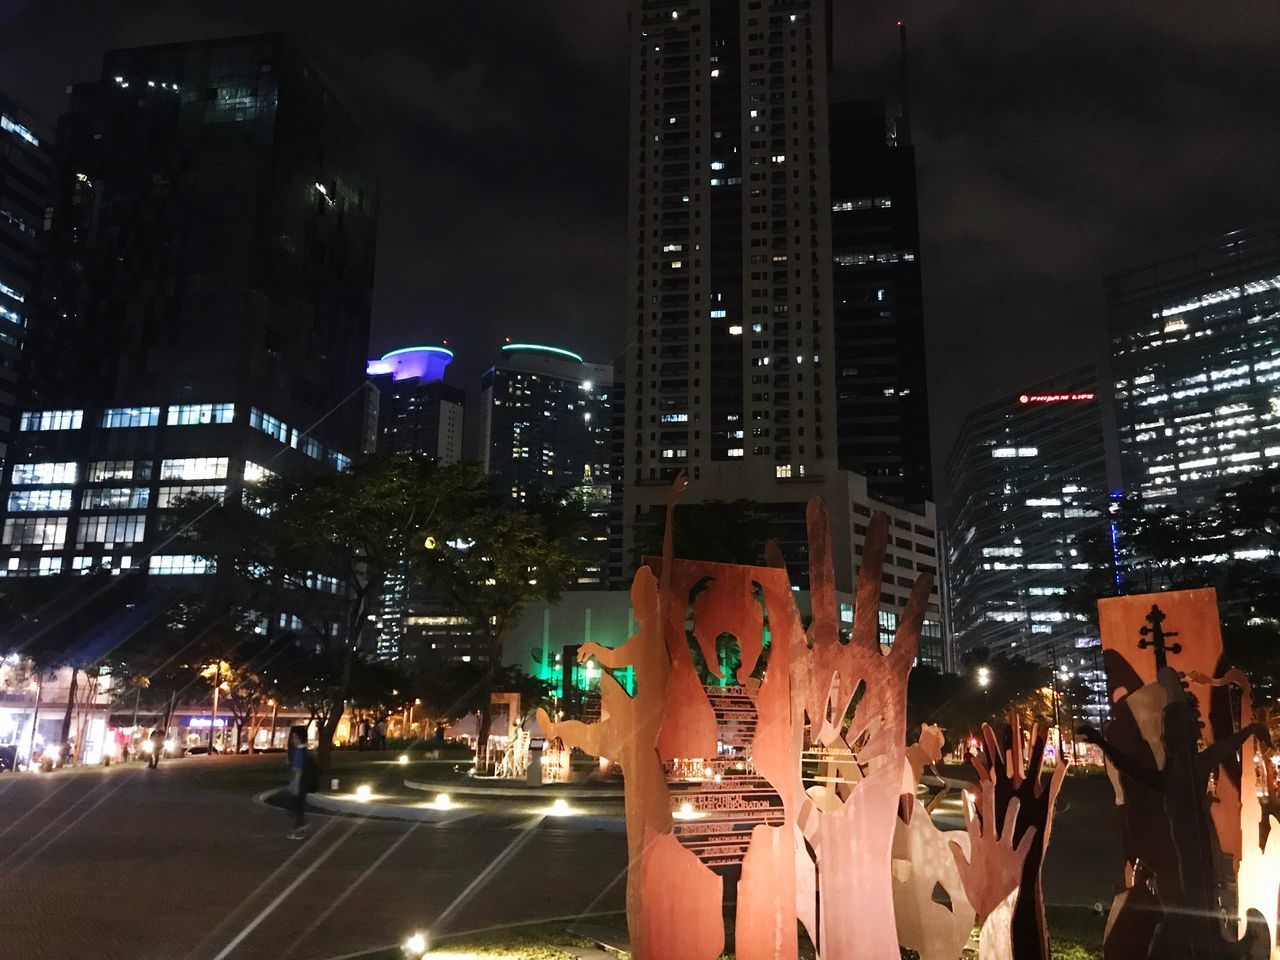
(992, 874)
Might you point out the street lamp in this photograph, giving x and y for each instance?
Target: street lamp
(984, 677)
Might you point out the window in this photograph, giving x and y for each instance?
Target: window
(179, 564)
(33, 473)
(268, 425)
(196, 413)
(169, 496)
(49, 533)
(194, 468)
(33, 567)
(110, 530)
(341, 461)
(116, 498)
(52, 420)
(22, 501)
(130, 417)
(101, 471)
(256, 472)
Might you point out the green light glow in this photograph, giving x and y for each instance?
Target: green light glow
(541, 348)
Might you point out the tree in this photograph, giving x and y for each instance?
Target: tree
(318, 552)
(494, 562)
(960, 703)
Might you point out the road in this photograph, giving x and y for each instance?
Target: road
(183, 864)
(130, 864)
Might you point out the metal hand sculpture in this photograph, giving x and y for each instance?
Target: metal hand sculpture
(1008, 774)
(992, 871)
(848, 819)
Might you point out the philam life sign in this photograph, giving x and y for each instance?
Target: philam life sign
(1029, 398)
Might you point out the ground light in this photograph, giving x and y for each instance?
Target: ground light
(415, 948)
(442, 802)
(560, 808)
(364, 792)
(404, 758)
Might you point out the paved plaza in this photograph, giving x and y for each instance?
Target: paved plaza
(184, 864)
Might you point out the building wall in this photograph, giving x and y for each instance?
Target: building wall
(1195, 345)
(1026, 484)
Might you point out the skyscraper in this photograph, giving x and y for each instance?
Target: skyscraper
(546, 429)
(26, 176)
(212, 258)
(730, 316)
(1195, 344)
(882, 396)
(1027, 483)
(417, 411)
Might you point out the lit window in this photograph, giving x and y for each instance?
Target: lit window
(131, 417)
(170, 496)
(52, 420)
(194, 468)
(269, 425)
(782, 471)
(8, 291)
(12, 316)
(110, 530)
(32, 567)
(25, 501)
(197, 413)
(48, 533)
(105, 470)
(116, 498)
(717, 164)
(33, 473)
(179, 565)
(18, 130)
(735, 451)
(735, 330)
(256, 472)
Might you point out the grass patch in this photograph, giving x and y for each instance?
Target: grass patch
(543, 942)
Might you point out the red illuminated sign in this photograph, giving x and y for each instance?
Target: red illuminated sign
(1054, 397)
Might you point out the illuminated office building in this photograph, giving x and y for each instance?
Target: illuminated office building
(1195, 352)
(1027, 483)
(417, 411)
(211, 256)
(546, 429)
(26, 176)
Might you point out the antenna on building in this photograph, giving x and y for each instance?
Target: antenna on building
(904, 122)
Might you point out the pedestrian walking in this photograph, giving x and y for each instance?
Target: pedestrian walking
(303, 774)
(157, 748)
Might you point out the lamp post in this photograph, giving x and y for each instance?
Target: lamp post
(217, 684)
(984, 681)
(275, 707)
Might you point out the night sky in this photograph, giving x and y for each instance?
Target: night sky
(1057, 142)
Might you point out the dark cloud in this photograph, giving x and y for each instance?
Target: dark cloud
(1057, 143)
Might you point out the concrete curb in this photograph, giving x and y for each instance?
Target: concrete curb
(528, 793)
(374, 810)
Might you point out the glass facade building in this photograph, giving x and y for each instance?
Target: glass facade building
(211, 258)
(882, 395)
(26, 180)
(1027, 484)
(1195, 352)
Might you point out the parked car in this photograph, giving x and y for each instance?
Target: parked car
(8, 756)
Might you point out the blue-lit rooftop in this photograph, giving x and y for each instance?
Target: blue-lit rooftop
(423, 363)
